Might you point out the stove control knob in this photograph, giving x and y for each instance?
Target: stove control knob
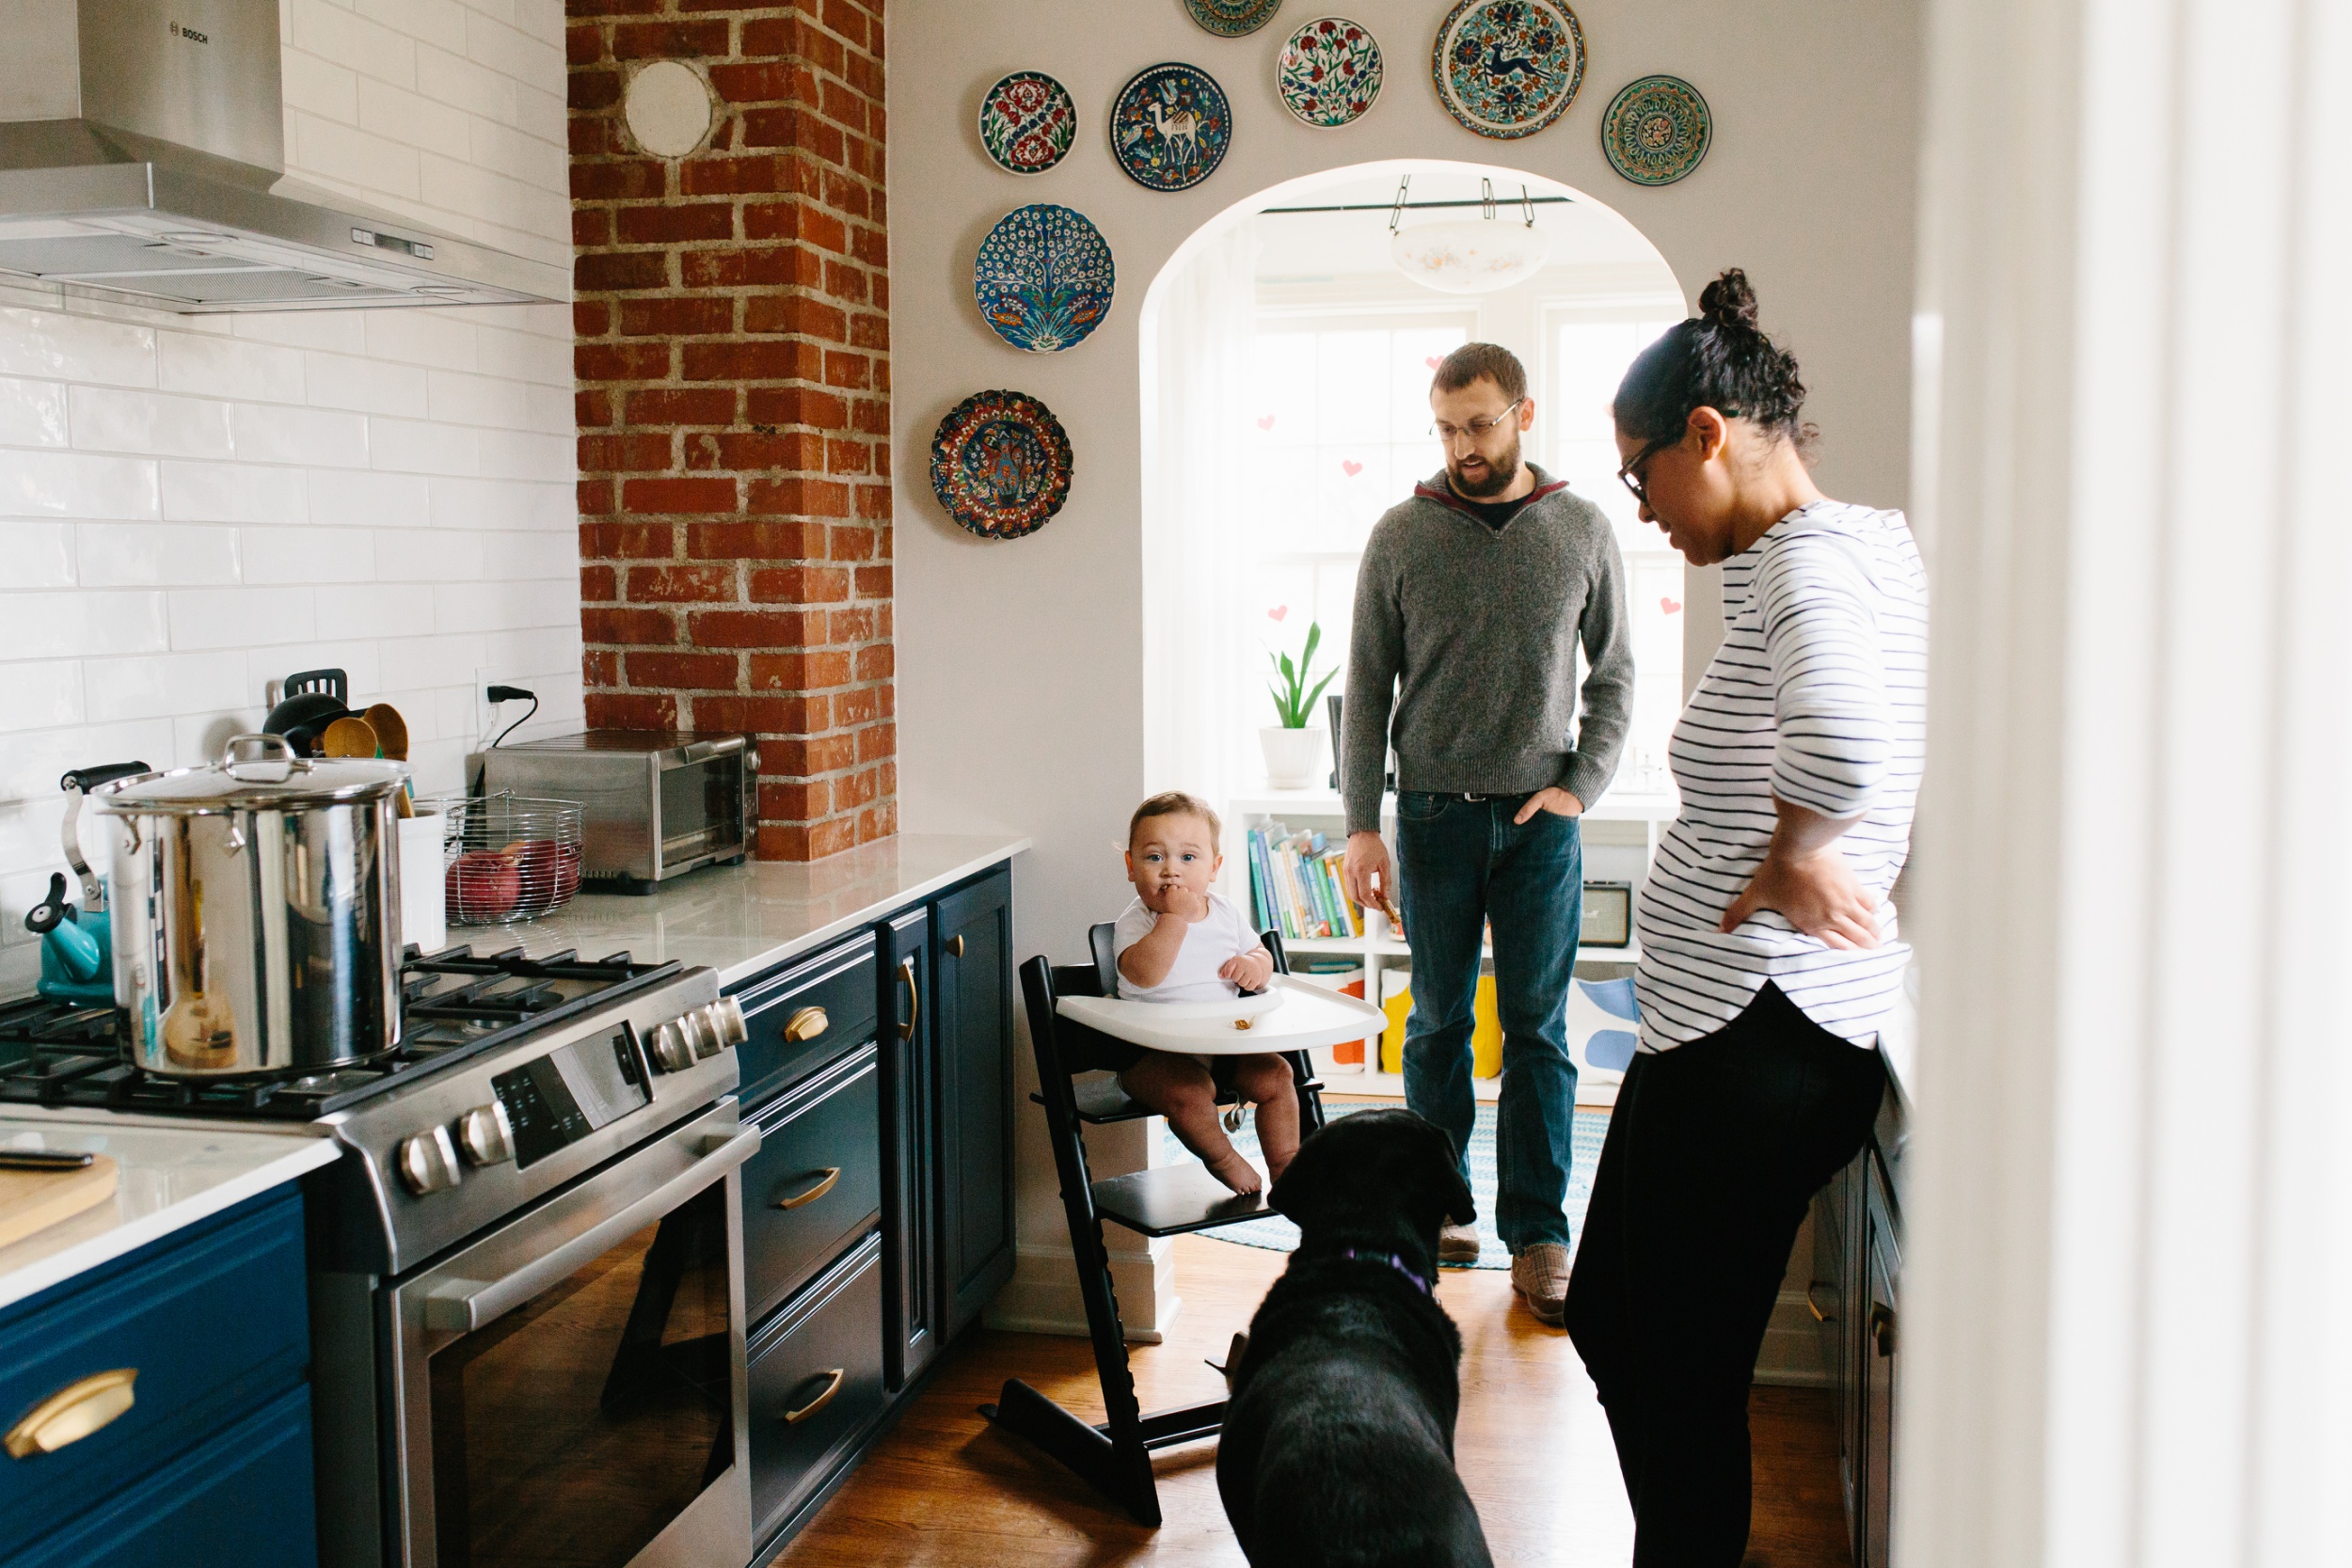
(485, 1136)
(724, 1019)
(427, 1162)
(672, 1046)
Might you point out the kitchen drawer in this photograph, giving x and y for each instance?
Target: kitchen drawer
(214, 1320)
(839, 985)
(825, 1138)
(830, 1338)
(243, 1501)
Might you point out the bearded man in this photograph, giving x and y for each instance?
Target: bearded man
(1471, 603)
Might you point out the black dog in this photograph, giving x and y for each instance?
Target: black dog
(1338, 1445)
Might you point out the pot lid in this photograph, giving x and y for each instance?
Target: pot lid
(256, 772)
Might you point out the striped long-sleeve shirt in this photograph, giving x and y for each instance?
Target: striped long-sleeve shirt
(1818, 695)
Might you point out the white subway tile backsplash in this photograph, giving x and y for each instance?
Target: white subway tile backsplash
(349, 155)
(32, 413)
(241, 617)
(459, 607)
(76, 622)
(511, 51)
(367, 386)
(319, 555)
(225, 367)
(480, 401)
(430, 555)
(335, 33)
(317, 437)
(379, 609)
(527, 454)
(504, 503)
(535, 346)
(408, 117)
(36, 555)
(157, 555)
(317, 85)
(38, 696)
(235, 493)
(448, 660)
(360, 660)
(328, 331)
(106, 419)
(438, 22)
(349, 499)
(77, 484)
(31, 763)
(513, 557)
(446, 75)
(80, 348)
(422, 447)
(429, 338)
(164, 686)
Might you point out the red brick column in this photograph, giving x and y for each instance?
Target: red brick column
(734, 392)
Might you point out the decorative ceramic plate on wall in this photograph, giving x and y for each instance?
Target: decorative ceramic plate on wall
(1043, 279)
(1170, 127)
(1231, 19)
(1656, 130)
(1328, 72)
(1028, 123)
(1508, 68)
(1000, 464)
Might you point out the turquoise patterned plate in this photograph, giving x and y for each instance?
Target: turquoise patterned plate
(1043, 279)
(1656, 130)
(1231, 19)
(1027, 122)
(1508, 68)
(1171, 127)
(1328, 72)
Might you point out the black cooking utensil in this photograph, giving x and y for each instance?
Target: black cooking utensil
(313, 698)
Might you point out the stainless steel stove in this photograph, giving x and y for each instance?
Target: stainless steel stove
(527, 1275)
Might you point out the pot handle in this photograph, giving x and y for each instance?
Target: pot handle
(285, 761)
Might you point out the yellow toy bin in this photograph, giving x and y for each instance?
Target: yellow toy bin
(1485, 1029)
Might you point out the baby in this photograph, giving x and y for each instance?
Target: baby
(1179, 941)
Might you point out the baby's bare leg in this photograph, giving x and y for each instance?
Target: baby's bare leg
(1267, 1081)
(1179, 1088)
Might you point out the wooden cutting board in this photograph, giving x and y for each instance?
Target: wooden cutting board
(34, 1200)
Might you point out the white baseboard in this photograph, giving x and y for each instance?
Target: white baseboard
(1791, 1354)
(1043, 1295)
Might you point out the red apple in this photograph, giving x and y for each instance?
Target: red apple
(482, 884)
(550, 871)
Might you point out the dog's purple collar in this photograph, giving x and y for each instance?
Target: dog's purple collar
(1393, 1260)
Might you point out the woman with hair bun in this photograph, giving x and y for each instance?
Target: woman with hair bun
(1770, 958)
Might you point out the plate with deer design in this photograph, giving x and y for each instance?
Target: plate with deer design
(1508, 68)
(1171, 127)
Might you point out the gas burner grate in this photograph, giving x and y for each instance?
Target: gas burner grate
(455, 1005)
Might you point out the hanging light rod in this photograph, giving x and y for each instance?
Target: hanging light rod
(1410, 206)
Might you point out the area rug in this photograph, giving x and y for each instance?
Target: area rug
(1277, 1234)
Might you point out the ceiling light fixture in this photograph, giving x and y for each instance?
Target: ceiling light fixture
(1469, 256)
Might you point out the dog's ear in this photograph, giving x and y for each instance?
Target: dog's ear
(1442, 1176)
(1306, 1181)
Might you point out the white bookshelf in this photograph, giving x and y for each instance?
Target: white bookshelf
(1620, 836)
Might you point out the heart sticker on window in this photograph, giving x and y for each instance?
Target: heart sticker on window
(1670, 605)
(1277, 612)
(1265, 422)
(1432, 361)
(1351, 467)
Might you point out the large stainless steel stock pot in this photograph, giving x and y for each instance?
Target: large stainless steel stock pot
(257, 912)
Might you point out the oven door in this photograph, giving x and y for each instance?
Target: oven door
(571, 1387)
(701, 808)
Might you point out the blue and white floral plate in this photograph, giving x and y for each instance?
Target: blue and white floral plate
(1171, 127)
(1045, 279)
(1329, 72)
(1508, 68)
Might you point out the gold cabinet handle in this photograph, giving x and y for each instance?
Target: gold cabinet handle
(807, 1025)
(794, 1417)
(1810, 1305)
(825, 1182)
(915, 999)
(955, 946)
(72, 1413)
(1882, 1329)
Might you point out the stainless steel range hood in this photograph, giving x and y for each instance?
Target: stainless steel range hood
(142, 157)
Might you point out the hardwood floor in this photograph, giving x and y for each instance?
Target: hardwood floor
(946, 1489)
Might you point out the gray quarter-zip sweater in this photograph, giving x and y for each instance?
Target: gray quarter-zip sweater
(1467, 639)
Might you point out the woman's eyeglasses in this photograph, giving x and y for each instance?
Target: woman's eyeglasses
(1477, 430)
(1630, 473)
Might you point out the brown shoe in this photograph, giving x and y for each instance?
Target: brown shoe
(1457, 1246)
(1540, 1274)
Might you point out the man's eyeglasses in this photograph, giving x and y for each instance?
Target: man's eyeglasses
(1631, 472)
(1477, 430)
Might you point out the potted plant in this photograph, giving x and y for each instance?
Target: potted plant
(1293, 752)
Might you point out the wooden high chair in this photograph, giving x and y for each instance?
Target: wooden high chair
(1116, 1456)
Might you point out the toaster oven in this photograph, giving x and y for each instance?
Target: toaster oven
(655, 805)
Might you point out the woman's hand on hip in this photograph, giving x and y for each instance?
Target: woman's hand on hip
(1555, 800)
(1815, 892)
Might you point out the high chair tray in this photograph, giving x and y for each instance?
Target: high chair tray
(1295, 1015)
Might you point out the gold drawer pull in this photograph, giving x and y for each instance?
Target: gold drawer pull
(794, 1417)
(807, 1025)
(1819, 1316)
(72, 1413)
(824, 1185)
(915, 999)
(955, 946)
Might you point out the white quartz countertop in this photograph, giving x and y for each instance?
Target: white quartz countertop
(745, 920)
(166, 1177)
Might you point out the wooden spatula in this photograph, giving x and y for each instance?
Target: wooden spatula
(391, 740)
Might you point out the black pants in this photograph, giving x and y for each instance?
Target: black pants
(1714, 1149)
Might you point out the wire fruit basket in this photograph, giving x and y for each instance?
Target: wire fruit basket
(508, 857)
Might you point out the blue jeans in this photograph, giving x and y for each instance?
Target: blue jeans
(1464, 864)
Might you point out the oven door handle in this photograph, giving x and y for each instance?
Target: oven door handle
(464, 1305)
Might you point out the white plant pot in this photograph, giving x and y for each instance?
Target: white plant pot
(1293, 758)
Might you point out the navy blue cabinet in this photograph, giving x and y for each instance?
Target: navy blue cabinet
(207, 1332)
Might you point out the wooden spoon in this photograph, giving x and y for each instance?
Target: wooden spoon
(392, 741)
(348, 736)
